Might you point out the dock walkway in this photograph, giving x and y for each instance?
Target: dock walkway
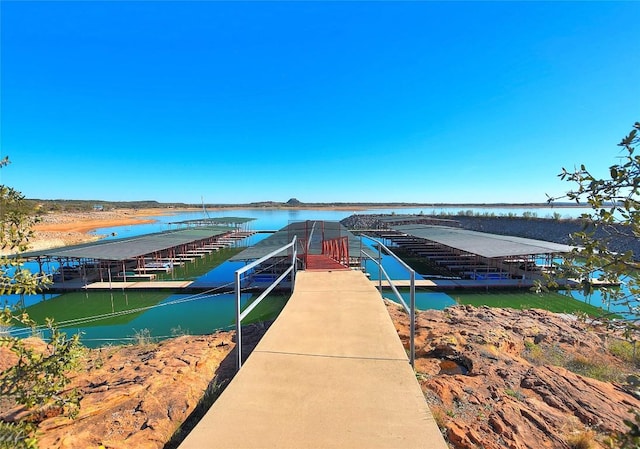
(331, 372)
(141, 285)
(448, 284)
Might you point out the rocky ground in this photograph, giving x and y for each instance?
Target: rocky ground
(138, 396)
(497, 378)
(494, 378)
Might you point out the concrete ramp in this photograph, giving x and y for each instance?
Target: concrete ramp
(331, 372)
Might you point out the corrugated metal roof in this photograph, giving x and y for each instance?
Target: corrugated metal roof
(328, 229)
(132, 247)
(217, 221)
(481, 243)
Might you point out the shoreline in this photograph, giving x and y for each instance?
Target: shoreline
(85, 222)
(59, 229)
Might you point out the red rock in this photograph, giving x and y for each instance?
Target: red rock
(137, 397)
(513, 394)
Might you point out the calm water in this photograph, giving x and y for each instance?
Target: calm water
(269, 219)
(198, 314)
(175, 315)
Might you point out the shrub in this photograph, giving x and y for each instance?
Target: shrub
(594, 368)
(624, 350)
(37, 381)
(539, 355)
(514, 394)
(581, 440)
(143, 337)
(631, 438)
(440, 417)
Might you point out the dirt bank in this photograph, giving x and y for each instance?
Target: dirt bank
(70, 228)
(87, 222)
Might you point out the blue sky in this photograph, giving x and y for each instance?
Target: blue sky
(236, 102)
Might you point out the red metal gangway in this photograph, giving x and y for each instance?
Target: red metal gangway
(321, 253)
(337, 249)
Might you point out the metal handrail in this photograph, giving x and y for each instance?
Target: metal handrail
(240, 315)
(409, 308)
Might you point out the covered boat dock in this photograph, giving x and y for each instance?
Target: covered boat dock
(123, 262)
(237, 223)
(320, 244)
(476, 256)
(310, 236)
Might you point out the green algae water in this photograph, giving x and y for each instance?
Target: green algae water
(200, 266)
(118, 317)
(514, 299)
(125, 316)
(551, 301)
(96, 308)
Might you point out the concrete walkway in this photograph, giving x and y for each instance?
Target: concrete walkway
(331, 372)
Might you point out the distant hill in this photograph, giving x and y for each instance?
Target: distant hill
(88, 205)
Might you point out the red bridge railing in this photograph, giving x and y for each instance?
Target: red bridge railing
(337, 249)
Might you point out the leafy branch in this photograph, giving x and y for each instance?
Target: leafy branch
(38, 380)
(615, 211)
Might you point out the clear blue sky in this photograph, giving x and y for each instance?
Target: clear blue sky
(323, 101)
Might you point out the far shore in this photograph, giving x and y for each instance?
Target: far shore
(367, 206)
(90, 221)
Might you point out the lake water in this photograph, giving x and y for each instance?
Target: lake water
(274, 219)
(174, 314)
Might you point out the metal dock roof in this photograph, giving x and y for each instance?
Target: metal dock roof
(405, 220)
(131, 247)
(481, 243)
(215, 221)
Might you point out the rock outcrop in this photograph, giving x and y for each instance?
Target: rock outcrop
(497, 378)
(494, 378)
(138, 396)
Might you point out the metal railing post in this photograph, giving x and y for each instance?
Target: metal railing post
(238, 321)
(242, 314)
(412, 326)
(380, 268)
(409, 308)
(294, 257)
